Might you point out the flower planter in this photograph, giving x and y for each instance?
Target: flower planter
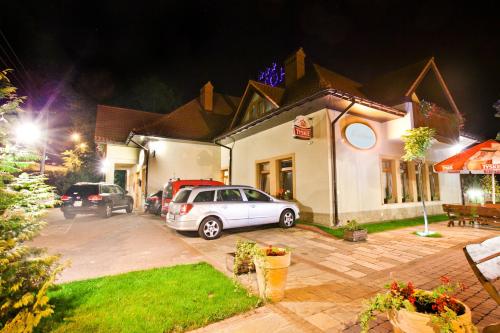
(404, 321)
(246, 266)
(272, 272)
(355, 235)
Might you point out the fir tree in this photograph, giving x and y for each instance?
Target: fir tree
(25, 272)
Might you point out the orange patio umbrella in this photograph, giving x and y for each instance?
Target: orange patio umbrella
(483, 158)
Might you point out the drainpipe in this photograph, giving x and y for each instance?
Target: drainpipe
(230, 158)
(334, 161)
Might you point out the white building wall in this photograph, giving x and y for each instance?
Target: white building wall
(312, 170)
(119, 155)
(359, 173)
(182, 159)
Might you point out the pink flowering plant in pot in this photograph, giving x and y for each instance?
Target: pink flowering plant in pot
(412, 310)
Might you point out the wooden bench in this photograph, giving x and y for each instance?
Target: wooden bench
(489, 216)
(460, 214)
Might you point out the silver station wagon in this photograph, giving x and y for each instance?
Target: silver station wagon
(209, 210)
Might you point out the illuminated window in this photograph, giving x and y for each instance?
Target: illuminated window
(285, 190)
(225, 176)
(433, 183)
(264, 177)
(257, 107)
(421, 189)
(388, 181)
(405, 182)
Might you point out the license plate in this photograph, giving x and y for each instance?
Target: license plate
(77, 204)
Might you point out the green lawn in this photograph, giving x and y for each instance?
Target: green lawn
(159, 300)
(385, 225)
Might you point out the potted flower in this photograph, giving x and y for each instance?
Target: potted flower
(354, 232)
(241, 261)
(412, 310)
(271, 266)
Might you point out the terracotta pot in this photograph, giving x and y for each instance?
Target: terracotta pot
(355, 235)
(272, 272)
(404, 321)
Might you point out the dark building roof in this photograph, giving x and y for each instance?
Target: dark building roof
(391, 88)
(113, 124)
(192, 122)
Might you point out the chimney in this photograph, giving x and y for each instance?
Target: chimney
(295, 67)
(207, 96)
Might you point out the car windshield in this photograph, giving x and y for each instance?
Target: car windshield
(83, 190)
(182, 196)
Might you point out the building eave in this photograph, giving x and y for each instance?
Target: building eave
(323, 93)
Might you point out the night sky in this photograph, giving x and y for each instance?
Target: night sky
(102, 51)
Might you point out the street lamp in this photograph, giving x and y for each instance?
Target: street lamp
(75, 136)
(28, 133)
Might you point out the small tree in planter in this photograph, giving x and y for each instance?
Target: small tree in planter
(271, 266)
(354, 232)
(241, 261)
(412, 310)
(417, 142)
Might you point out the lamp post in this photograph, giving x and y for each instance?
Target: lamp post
(45, 141)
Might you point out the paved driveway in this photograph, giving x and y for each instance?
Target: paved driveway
(121, 243)
(329, 278)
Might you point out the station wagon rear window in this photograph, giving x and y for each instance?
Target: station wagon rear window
(206, 196)
(182, 196)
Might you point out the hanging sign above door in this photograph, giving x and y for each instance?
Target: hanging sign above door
(302, 128)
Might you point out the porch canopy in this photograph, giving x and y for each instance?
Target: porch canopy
(483, 158)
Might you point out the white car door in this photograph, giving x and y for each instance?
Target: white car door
(261, 208)
(233, 209)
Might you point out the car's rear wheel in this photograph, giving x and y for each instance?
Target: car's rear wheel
(287, 218)
(210, 228)
(69, 216)
(108, 210)
(130, 207)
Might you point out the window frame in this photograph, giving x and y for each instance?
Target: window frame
(394, 180)
(274, 174)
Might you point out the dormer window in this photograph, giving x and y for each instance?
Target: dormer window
(257, 107)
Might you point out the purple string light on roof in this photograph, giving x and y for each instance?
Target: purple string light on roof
(272, 75)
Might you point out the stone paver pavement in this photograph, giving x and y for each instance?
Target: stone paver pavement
(329, 278)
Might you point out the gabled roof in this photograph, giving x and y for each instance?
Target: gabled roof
(391, 88)
(316, 78)
(396, 87)
(272, 94)
(192, 122)
(332, 80)
(113, 123)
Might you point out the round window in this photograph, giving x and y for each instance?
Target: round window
(360, 136)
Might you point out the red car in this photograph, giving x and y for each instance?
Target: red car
(174, 185)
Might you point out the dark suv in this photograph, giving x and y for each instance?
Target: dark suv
(95, 198)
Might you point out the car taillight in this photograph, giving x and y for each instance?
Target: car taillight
(65, 198)
(185, 208)
(94, 197)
